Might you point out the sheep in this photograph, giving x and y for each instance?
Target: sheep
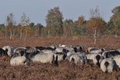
(61, 49)
(79, 48)
(91, 48)
(61, 45)
(117, 59)
(95, 50)
(31, 50)
(9, 50)
(75, 58)
(83, 54)
(110, 53)
(18, 60)
(70, 52)
(20, 51)
(61, 56)
(108, 65)
(44, 58)
(3, 52)
(100, 51)
(96, 58)
(54, 46)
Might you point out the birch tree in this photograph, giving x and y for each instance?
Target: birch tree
(96, 24)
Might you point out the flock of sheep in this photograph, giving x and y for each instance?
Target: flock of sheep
(107, 60)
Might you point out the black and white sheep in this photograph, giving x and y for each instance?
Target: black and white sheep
(95, 50)
(9, 50)
(3, 52)
(110, 53)
(108, 65)
(18, 60)
(117, 59)
(60, 56)
(76, 58)
(20, 51)
(95, 57)
(79, 48)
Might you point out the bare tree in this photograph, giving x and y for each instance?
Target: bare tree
(24, 25)
(10, 25)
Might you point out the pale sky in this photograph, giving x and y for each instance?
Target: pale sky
(37, 10)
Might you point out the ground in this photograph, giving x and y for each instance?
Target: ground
(65, 70)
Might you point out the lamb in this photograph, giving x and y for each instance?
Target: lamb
(108, 65)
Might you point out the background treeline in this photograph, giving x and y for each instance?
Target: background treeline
(56, 26)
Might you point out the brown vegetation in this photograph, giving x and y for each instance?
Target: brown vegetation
(65, 70)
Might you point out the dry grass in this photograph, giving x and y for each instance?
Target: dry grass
(65, 70)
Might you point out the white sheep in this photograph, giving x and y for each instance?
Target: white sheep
(9, 50)
(95, 57)
(108, 65)
(18, 60)
(75, 58)
(117, 59)
(43, 57)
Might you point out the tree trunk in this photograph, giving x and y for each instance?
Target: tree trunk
(95, 36)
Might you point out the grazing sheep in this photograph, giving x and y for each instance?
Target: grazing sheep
(3, 52)
(92, 48)
(70, 52)
(83, 54)
(100, 51)
(79, 48)
(20, 51)
(61, 49)
(96, 58)
(61, 56)
(110, 53)
(108, 65)
(117, 59)
(54, 46)
(31, 50)
(75, 58)
(18, 60)
(9, 50)
(44, 58)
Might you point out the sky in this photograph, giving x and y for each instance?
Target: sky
(37, 10)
